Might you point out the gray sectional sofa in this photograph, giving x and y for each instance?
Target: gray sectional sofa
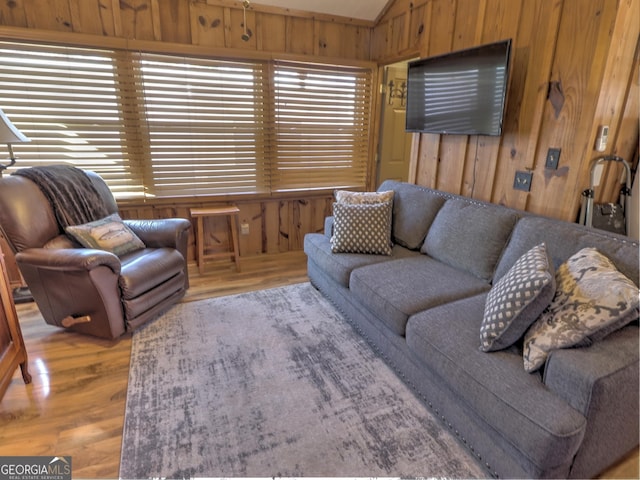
(422, 308)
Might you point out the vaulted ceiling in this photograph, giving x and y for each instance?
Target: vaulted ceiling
(360, 9)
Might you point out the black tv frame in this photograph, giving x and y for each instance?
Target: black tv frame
(463, 125)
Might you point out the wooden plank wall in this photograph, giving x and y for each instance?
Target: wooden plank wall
(586, 51)
(209, 23)
(275, 224)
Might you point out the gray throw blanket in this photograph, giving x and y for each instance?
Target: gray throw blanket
(70, 192)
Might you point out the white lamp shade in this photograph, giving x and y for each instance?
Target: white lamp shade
(8, 132)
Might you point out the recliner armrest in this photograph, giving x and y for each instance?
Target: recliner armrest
(72, 283)
(83, 259)
(159, 233)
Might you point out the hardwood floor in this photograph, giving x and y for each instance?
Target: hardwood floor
(75, 404)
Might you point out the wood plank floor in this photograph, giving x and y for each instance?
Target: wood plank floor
(75, 404)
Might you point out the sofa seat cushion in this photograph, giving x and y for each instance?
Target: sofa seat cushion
(470, 236)
(340, 265)
(517, 405)
(393, 291)
(145, 269)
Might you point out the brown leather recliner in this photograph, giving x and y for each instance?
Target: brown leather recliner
(92, 291)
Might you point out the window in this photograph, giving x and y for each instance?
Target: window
(205, 122)
(68, 102)
(322, 125)
(159, 125)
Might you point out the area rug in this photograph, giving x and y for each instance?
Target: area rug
(274, 383)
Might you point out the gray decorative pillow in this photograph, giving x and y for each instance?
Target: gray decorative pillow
(592, 296)
(362, 228)
(108, 233)
(517, 300)
(360, 198)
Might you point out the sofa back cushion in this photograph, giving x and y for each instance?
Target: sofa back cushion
(414, 209)
(470, 236)
(563, 239)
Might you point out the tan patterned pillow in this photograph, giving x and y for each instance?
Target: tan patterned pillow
(108, 233)
(592, 296)
(517, 299)
(360, 198)
(362, 228)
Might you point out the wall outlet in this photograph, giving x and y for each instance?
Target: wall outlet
(522, 181)
(553, 158)
(244, 228)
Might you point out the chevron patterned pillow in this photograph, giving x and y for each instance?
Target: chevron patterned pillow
(517, 299)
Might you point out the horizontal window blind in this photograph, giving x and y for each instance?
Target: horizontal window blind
(205, 123)
(161, 125)
(322, 126)
(67, 101)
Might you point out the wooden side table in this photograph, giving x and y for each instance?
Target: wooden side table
(230, 211)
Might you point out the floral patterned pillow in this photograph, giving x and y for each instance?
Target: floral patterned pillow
(592, 296)
(363, 198)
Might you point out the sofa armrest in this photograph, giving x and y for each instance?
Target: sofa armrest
(576, 373)
(600, 381)
(328, 226)
(68, 259)
(159, 233)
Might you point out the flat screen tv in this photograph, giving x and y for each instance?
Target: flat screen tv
(461, 92)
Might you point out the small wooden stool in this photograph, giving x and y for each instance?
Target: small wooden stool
(232, 212)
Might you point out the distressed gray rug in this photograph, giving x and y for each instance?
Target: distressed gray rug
(274, 383)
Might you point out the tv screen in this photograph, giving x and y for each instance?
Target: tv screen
(461, 92)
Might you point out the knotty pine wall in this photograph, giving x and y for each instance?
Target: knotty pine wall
(583, 51)
(216, 26)
(209, 23)
(586, 50)
(275, 225)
